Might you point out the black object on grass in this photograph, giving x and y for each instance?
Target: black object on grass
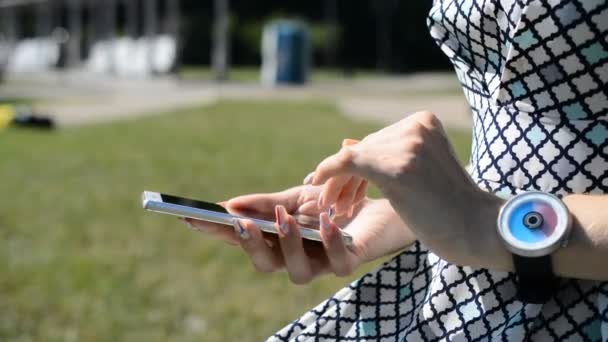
(33, 121)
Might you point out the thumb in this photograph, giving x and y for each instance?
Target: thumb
(263, 203)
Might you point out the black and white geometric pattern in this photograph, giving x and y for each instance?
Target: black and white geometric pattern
(535, 74)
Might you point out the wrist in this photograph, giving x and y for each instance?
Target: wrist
(491, 251)
(395, 235)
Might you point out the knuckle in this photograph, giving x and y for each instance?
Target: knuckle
(405, 166)
(414, 128)
(427, 118)
(346, 156)
(413, 145)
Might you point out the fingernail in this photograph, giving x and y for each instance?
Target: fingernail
(320, 202)
(349, 142)
(351, 211)
(240, 229)
(281, 215)
(308, 179)
(331, 212)
(325, 223)
(186, 222)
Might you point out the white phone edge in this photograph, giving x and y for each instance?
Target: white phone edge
(152, 201)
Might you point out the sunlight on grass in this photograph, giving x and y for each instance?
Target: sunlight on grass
(80, 259)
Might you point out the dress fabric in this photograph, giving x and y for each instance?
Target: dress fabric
(535, 74)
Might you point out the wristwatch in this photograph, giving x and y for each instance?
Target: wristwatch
(533, 225)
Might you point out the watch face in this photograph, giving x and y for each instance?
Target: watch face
(534, 224)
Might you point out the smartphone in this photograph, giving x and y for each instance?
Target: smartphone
(212, 212)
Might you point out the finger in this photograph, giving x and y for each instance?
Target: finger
(361, 192)
(332, 190)
(218, 231)
(308, 179)
(349, 142)
(339, 164)
(309, 208)
(346, 199)
(263, 203)
(264, 258)
(296, 261)
(335, 183)
(335, 248)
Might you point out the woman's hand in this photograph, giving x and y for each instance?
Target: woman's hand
(413, 164)
(375, 227)
(353, 189)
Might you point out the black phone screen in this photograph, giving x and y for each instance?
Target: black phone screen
(193, 203)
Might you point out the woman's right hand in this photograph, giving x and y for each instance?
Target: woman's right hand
(375, 227)
(353, 189)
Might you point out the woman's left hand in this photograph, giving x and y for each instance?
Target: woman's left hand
(414, 165)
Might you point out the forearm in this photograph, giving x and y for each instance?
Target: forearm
(585, 256)
(394, 235)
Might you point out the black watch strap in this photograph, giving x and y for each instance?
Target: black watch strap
(536, 282)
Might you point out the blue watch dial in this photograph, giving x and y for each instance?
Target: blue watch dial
(534, 224)
(533, 221)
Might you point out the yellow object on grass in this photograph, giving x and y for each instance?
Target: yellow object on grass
(7, 114)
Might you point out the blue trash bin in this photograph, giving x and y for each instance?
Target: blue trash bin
(285, 53)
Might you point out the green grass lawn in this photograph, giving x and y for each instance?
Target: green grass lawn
(80, 259)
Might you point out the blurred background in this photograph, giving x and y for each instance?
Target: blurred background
(102, 99)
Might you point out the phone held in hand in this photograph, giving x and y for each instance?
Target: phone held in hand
(212, 212)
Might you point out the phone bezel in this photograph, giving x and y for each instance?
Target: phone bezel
(153, 201)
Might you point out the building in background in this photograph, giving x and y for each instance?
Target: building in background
(122, 37)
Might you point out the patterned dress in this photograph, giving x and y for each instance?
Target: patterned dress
(535, 74)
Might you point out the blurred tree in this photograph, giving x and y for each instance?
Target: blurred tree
(385, 10)
(172, 27)
(356, 43)
(131, 18)
(331, 24)
(75, 29)
(221, 40)
(44, 20)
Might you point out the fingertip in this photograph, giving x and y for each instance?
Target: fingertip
(186, 222)
(236, 202)
(327, 227)
(331, 212)
(349, 142)
(317, 179)
(253, 233)
(292, 231)
(248, 223)
(282, 220)
(341, 207)
(308, 179)
(192, 223)
(321, 200)
(240, 229)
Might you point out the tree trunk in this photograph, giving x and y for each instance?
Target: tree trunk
(131, 18)
(43, 19)
(173, 29)
(331, 22)
(150, 18)
(151, 30)
(384, 14)
(75, 29)
(220, 55)
(10, 24)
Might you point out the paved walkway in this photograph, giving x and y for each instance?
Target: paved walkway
(77, 98)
